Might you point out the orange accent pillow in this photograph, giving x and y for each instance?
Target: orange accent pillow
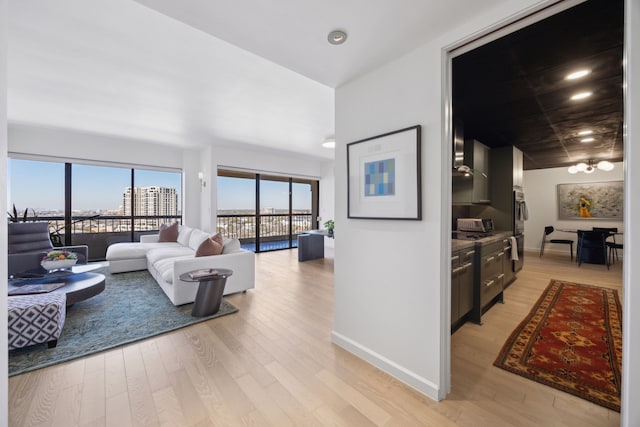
(169, 233)
(209, 246)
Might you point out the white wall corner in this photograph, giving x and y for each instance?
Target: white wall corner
(4, 359)
(208, 192)
(403, 374)
(191, 188)
(630, 414)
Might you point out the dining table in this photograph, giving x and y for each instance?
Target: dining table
(592, 255)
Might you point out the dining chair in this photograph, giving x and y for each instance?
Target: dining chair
(612, 245)
(548, 230)
(592, 247)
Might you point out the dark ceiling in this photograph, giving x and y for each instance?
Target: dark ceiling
(513, 91)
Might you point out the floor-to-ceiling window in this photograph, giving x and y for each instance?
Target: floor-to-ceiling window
(94, 204)
(266, 212)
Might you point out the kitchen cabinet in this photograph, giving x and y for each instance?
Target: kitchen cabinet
(462, 284)
(490, 285)
(507, 268)
(473, 189)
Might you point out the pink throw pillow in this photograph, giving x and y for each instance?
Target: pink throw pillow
(209, 247)
(168, 233)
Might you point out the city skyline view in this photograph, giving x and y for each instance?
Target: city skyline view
(39, 185)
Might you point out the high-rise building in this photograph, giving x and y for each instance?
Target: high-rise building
(151, 201)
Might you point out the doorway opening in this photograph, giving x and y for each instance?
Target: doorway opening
(489, 97)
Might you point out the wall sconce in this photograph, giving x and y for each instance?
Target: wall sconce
(590, 167)
(203, 182)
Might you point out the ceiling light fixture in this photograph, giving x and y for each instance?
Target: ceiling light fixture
(577, 74)
(589, 167)
(329, 142)
(581, 95)
(337, 37)
(587, 139)
(585, 132)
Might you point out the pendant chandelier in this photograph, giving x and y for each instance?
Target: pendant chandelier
(590, 167)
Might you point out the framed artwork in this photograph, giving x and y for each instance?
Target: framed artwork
(591, 200)
(383, 175)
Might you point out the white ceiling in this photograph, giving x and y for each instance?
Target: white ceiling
(197, 72)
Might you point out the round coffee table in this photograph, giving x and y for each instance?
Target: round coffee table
(210, 290)
(80, 287)
(79, 284)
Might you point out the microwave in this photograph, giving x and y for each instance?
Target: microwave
(478, 225)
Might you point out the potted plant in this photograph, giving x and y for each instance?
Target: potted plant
(15, 217)
(329, 224)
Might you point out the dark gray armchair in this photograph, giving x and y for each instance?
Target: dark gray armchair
(29, 242)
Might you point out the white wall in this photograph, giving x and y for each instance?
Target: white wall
(4, 382)
(542, 202)
(396, 272)
(631, 298)
(69, 144)
(327, 197)
(387, 289)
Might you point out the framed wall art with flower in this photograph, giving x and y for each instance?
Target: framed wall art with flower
(591, 200)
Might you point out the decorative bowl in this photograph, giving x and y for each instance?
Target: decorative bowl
(58, 264)
(58, 259)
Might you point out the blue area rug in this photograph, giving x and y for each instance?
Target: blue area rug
(132, 307)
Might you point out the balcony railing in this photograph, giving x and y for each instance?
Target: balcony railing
(272, 226)
(98, 232)
(101, 231)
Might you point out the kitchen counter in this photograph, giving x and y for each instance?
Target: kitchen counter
(466, 243)
(457, 244)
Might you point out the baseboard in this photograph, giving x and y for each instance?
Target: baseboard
(413, 380)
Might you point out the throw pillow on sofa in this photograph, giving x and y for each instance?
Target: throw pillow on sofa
(168, 233)
(184, 234)
(196, 238)
(210, 246)
(230, 245)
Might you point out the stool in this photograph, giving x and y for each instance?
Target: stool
(36, 319)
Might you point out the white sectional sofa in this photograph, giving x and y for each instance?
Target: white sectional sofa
(166, 261)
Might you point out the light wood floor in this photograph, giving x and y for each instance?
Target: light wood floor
(272, 363)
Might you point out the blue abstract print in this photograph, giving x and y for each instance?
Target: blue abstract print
(380, 178)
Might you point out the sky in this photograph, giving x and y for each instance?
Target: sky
(239, 193)
(40, 185)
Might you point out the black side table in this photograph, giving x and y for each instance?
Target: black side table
(210, 290)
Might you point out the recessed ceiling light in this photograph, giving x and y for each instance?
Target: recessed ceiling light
(585, 132)
(337, 37)
(577, 74)
(329, 142)
(581, 95)
(587, 139)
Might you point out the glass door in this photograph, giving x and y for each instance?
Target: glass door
(274, 215)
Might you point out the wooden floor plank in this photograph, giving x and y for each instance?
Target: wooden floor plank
(273, 363)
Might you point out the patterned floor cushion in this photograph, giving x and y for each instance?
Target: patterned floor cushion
(35, 319)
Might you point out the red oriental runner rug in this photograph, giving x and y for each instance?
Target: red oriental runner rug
(572, 341)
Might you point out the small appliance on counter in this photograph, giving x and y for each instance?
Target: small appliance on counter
(475, 225)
